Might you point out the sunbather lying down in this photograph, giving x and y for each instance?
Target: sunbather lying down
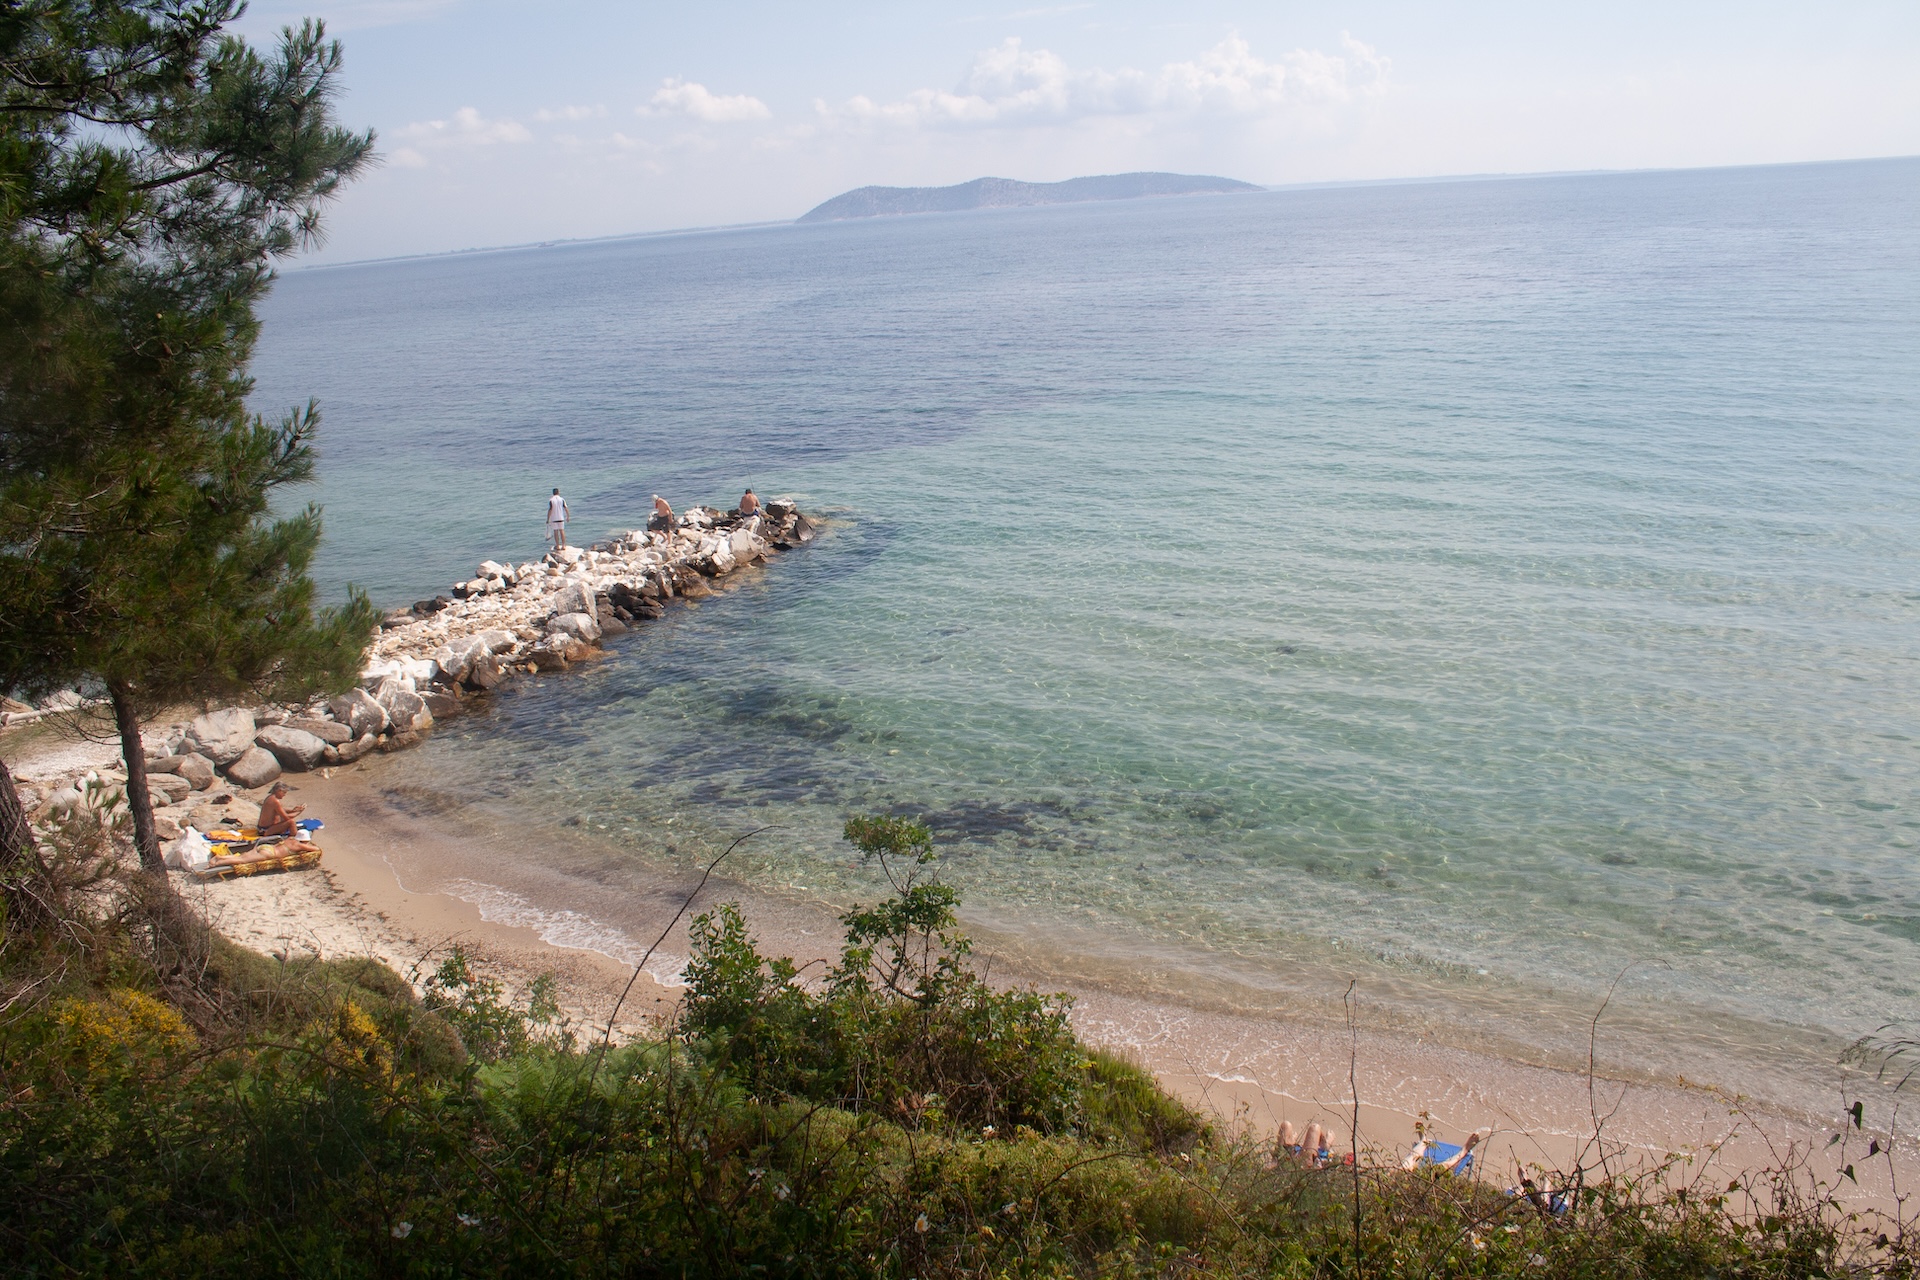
(263, 853)
(1315, 1146)
(1450, 1164)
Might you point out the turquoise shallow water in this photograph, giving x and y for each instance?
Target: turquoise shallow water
(1477, 588)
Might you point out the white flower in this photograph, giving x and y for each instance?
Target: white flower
(401, 1230)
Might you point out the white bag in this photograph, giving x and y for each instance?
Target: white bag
(190, 852)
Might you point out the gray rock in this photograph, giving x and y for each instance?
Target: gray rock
(802, 529)
(574, 597)
(496, 639)
(164, 764)
(484, 672)
(264, 716)
(166, 826)
(612, 626)
(405, 711)
(197, 770)
(442, 704)
(168, 788)
(255, 767)
(581, 626)
(328, 731)
(222, 736)
(358, 710)
(456, 658)
(295, 749)
(348, 752)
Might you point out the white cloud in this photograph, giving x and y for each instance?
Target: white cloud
(1012, 85)
(548, 115)
(683, 97)
(466, 128)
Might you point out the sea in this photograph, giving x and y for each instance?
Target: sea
(1498, 598)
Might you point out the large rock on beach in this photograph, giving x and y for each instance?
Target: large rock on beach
(222, 736)
(295, 749)
(404, 708)
(197, 770)
(168, 788)
(348, 752)
(497, 639)
(255, 767)
(331, 732)
(358, 710)
(441, 704)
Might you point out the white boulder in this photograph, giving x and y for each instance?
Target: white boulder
(255, 768)
(222, 736)
(362, 715)
(295, 749)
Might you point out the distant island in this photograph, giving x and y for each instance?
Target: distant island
(1005, 193)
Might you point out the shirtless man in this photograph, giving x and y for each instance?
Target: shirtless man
(749, 505)
(275, 818)
(662, 518)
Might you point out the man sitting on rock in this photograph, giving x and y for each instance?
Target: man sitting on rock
(749, 505)
(275, 818)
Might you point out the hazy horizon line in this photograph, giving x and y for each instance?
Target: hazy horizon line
(1265, 188)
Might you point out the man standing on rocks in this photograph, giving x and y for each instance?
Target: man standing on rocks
(557, 517)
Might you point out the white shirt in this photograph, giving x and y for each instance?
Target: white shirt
(556, 509)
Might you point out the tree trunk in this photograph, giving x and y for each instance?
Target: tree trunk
(139, 799)
(16, 844)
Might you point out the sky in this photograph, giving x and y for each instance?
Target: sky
(514, 121)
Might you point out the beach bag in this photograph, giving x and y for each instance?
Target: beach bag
(190, 852)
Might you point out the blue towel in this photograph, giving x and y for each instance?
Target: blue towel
(309, 824)
(1441, 1152)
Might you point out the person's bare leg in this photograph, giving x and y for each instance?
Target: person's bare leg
(1310, 1145)
(1452, 1163)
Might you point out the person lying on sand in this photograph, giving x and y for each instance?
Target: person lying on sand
(1315, 1146)
(275, 818)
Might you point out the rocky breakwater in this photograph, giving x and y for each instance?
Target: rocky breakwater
(433, 660)
(545, 615)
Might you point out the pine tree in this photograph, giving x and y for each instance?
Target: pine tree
(152, 170)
